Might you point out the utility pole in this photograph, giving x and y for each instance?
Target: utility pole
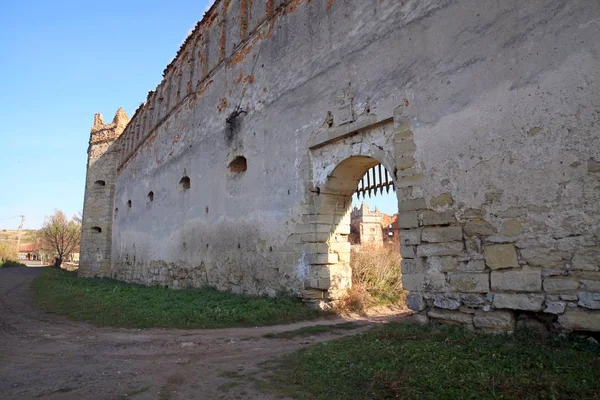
(19, 233)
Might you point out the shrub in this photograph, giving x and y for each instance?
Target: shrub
(376, 278)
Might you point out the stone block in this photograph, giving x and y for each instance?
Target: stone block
(407, 221)
(500, 256)
(330, 258)
(311, 294)
(445, 302)
(412, 205)
(569, 297)
(589, 300)
(415, 302)
(453, 316)
(472, 265)
(440, 235)
(407, 251)
(472, 299)
(420, 319)
(586, 259)
(561, 285)
(526, 302)
(580, 320)
(555, 307)
(473, 213)
(442, 264)
(443, 200)
(413, 282)
(413, 266)
(591, 286)
(517, 281)
(410, 237)
(469, 283)
(479, 227)
(440, 249)
(435, 282)
(511, 228)
(541, 257)
(500, 321)
(438, 218)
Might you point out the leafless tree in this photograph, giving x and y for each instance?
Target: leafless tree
(60, 236)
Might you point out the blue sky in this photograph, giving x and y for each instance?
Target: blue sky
(61, 62)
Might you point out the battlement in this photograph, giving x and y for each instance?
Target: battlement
(223, 38)
(102, 132)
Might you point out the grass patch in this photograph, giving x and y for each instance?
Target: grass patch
(312, 330)
(106, 302)
(11, 264)
(413, 362)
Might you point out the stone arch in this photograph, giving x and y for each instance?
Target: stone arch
(337, 167)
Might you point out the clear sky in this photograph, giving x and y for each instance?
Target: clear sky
(60, 62)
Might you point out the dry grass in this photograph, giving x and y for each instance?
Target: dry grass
(376, 279)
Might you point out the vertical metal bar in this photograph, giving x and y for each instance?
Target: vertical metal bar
(387, 180)
(381, 182)
(374, 182)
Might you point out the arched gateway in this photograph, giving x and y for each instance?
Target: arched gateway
(237, 170)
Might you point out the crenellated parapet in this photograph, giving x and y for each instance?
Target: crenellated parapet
(223, 38)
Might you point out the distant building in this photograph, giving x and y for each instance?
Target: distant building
(29, 252)
(373, 226)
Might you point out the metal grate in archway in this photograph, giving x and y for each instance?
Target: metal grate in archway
(376, 179)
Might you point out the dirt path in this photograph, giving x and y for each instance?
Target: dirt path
(45, 356)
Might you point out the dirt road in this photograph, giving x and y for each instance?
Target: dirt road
(49, 357)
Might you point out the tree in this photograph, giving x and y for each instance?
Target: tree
(60, 236)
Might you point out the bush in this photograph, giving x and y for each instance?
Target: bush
(376, 278)
(11, 264)
(8, 253)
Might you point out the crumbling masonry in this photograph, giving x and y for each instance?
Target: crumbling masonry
(238, 169)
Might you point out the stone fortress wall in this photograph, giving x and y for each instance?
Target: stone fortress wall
(238, 169)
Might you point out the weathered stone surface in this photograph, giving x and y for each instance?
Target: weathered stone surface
(472, 265)
(413, 266)
(412, 205)
(517, 280)
(569, 297)
(494, 320)
(443, 200)
(420, 319)
(555, 307)
(436, 282)
(413, 282)
(442, 264)
(438, 218)
(440, 249)
(527, 302)
(408, 220)
(448, 303)
(415, 302)
(454, 316)
(541, 257)
(501, 256)
(512, 212)
(472, 300)
(410, 237)
(561, 285)
(587, 259)
(479, 227)
(593, 166)
(445, 234)
(511, 228)
(469, 282)
(589, 300)
(579, 320)
(590, 286)
(408, 251)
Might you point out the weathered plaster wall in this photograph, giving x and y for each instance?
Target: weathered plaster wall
(487, 111)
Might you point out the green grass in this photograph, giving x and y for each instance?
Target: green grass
(312, 330)
(106, 302)
(412, 362)
(11, 264)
